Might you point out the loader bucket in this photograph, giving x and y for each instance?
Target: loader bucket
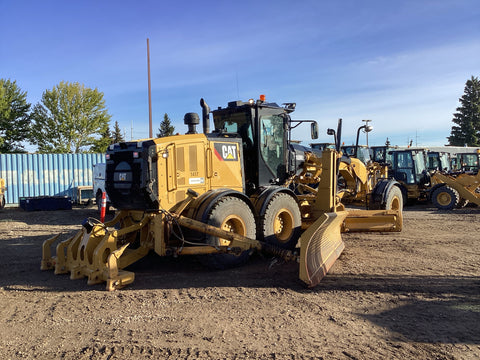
(320, 246)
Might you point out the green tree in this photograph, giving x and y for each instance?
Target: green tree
(166, 128)
(69, 118)
(101, 145)
(117, 134)
(14, 117)
(467, 117)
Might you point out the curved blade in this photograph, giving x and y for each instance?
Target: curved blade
(320, 246)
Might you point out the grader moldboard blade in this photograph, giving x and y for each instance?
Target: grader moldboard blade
(320, 246)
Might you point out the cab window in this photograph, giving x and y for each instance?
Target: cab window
(272, 134)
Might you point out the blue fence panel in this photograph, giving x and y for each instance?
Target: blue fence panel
(29, 175)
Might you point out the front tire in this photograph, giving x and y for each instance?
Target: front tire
(445, 198)
(394, 199)
(281, 223)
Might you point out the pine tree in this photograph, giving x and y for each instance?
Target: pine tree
(117, 134)
(101, 145)
(166, 128)
(467, 117)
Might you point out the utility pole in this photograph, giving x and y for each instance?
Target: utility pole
(150, 133)
(366, 124)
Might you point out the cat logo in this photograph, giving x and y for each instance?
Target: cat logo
(226, 152)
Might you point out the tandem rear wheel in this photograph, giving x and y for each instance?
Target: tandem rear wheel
(232, 214)
(281, 222)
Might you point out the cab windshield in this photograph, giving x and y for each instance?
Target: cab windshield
(236, 122)
(469, 161)
(379, 155)
(409, 167)
(272, 147)
(445, 162)
(419, 165)
(434, 162)
(363, 155)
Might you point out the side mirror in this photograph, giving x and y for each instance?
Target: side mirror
(314, 130)
(368, 128)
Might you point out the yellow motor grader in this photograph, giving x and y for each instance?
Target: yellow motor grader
(219, 194)
(361, 182)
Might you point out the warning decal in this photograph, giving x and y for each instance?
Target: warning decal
(226, 152)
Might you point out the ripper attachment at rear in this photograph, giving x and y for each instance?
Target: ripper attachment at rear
(220, 195)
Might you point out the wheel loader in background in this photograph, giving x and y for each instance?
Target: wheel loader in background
(445, 189)
(456, 188)
(219, 194)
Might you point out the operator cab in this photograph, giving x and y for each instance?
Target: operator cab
(382, 155)
(363, 153)
(469, 161)
(409, 167)
(438, 161)
(265, 132)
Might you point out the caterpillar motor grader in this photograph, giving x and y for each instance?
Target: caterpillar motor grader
(220, 194)
(361, 182)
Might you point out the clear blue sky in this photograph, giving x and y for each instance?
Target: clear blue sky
(402, 64)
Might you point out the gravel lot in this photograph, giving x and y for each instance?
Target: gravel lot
(408, 295)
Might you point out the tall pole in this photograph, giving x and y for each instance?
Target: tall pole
(150, 133)
(366, 124)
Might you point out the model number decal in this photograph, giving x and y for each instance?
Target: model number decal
(226, 152)
(196, 181)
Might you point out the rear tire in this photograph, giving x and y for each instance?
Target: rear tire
(281, 223)
(232, 214)
(445, 198)
(2, 201)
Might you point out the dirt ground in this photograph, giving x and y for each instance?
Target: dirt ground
(408, 295)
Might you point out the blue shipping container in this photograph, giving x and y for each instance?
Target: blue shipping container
(30, 175)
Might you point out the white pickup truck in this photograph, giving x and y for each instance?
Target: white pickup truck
(99, 184)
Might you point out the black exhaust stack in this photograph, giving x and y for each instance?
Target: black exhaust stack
(205, 116)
